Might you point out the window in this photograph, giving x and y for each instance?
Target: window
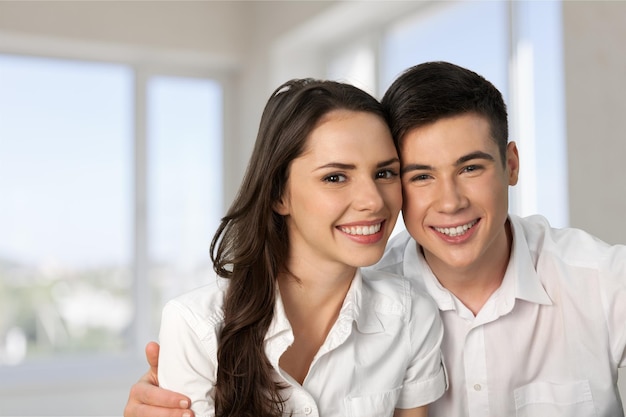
(537, 109)
(184, 183)
(65, 212)
(516, 46)
(449, 31)
(96, 216)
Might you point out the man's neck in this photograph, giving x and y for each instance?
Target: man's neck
(473, 285)
(475, 292)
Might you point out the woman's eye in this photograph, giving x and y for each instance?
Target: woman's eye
(335, 178)
(386, 174)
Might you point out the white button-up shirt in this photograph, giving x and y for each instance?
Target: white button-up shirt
(548, 342)
(383, 351)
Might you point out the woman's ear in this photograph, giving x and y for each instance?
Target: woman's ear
(281, 206)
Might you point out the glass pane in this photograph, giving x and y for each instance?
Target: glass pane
(185, 182)
(538, 111)
(473, 34)
(65, 207)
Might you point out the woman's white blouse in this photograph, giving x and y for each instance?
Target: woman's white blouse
(382, 353)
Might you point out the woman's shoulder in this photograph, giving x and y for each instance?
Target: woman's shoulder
(397, 287)
(384, 281)
(200, 305)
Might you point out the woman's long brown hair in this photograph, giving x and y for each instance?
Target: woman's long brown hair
(251, 245)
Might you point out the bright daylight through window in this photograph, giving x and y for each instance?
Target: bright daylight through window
(68, 241)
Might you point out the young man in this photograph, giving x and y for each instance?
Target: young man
(534, 317)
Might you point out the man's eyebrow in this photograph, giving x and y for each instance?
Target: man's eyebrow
(475, 155)
(415, 167)
(460, 161)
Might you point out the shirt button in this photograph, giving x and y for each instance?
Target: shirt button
(477, 387)
(307, 410)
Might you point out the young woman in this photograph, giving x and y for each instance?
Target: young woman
(294, 326)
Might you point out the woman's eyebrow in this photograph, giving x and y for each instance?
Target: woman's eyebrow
(337, 165)
(389, 162)
(340, 165)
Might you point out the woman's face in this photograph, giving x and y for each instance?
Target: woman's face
(343, 193)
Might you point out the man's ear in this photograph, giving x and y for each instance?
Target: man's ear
(512, 162)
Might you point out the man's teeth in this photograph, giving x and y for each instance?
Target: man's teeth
(456, 231)
(361, 230)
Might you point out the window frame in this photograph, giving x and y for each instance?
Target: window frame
(63, 373)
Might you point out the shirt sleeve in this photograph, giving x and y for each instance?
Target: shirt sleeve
(187, 358)
(613, 276)
(425, 379)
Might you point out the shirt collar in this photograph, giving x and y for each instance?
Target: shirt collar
(522, 268)
(361, 295)
(521, 280)
(280, 335)
(416, 268)
(350, 310)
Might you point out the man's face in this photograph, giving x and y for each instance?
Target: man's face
(455, 189)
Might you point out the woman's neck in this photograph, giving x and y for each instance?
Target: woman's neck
(322, 294)
(312, 303)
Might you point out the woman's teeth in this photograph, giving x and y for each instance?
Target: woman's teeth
(361, 230)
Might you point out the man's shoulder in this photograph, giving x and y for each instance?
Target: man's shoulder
(568, 244)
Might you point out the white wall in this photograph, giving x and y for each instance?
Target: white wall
(595, 64)
(217, 30)
(594, 35)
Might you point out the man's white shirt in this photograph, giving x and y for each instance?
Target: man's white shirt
(548, 342)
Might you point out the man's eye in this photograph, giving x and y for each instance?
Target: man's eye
(472, 168)
(420, 177)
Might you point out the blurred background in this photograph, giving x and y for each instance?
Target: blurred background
(125, 128)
